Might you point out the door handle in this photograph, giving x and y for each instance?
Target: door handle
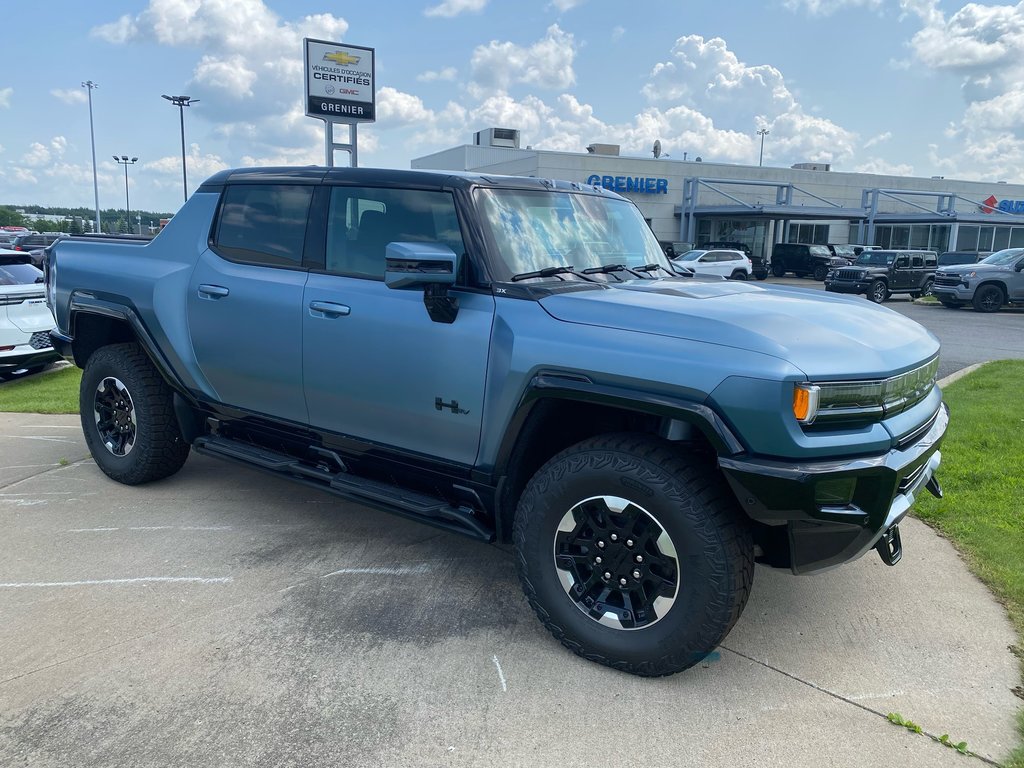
(327, 309)
(213, 291)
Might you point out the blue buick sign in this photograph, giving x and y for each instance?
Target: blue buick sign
(644, 185)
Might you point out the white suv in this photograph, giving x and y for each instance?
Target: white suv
(25, 320)
(734, 265)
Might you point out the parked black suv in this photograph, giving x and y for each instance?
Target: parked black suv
(758, 264)
(803, 259)
(34, 245)
(879, 274)
(953, 258)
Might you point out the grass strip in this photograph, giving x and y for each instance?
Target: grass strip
(982, 475)
(55, 392)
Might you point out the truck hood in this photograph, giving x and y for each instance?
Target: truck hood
(825, 336)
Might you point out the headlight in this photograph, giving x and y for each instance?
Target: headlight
(863, 400)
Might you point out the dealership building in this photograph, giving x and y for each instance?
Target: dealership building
(696, 201)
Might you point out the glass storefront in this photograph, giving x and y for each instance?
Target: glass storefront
(747, 231)
(933, 237)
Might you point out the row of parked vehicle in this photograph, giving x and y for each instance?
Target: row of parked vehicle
(32, 243)
(987, 282)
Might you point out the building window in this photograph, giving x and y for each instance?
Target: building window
(815, 234)
(985, 238)
(967, 239)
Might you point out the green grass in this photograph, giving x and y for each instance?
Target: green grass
(55, 392)
(982, 475)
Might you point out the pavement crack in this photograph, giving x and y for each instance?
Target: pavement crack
(845, 699)
(54, 468)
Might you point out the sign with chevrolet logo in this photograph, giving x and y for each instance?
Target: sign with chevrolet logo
(339, 82)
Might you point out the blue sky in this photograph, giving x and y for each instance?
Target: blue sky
(921, 87)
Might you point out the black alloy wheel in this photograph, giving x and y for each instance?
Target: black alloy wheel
(820, 273)
(114, 413)
(878, 292)
(988, 298)
(616, 562)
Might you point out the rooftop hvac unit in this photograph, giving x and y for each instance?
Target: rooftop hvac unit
(604, 149)
(497, 137)
(812, 167)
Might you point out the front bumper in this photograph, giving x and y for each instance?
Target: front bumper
(26, 357)
(820, 535)
(953, 292)
(847, 286)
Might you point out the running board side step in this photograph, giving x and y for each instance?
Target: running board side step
(389, 498)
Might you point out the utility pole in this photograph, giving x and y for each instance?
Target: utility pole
(92, 137)
(123, 160)
(181, 102)
(762, 132)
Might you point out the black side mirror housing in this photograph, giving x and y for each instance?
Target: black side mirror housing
(430, 266)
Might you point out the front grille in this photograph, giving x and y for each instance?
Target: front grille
(951, 280)
(40, 340)
(908, 482)
(848, 274)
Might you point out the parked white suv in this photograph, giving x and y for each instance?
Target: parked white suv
(25, 320)
(734, 265)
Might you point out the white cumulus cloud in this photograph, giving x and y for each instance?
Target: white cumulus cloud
(450, 8)
(546, 63)
(430, 76)
(5, 97)
(70, 95)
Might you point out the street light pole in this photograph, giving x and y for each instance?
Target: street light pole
(181, 102)
(89, 84)
(762, 132)
(123, 160)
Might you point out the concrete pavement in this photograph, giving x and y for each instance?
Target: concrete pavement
(223, 617)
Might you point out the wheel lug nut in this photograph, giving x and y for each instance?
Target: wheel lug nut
(600, 545)
(614, 537)
(607, 576)
(636, 574)
(598, 560)
(622, 582)
(639, 558)
(629, 542)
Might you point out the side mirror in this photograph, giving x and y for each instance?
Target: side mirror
(416, 265)
(1019, 267)
(430, 266)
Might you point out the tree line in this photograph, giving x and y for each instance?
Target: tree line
(77, 220)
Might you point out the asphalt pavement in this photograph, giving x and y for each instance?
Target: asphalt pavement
(225, 618)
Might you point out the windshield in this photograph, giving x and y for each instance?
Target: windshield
(1008, 256)
(875, 259)
(691, 255)
(534, 230)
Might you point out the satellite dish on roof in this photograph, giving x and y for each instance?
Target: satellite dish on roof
(700, 159)
(657, 148)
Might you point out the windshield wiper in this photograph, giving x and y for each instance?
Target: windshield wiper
(549, 272)
(651, 267)
(610, 268)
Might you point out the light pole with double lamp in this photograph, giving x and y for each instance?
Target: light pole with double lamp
(123, 160)
(92, 140)
(181, 102)
(762, 132)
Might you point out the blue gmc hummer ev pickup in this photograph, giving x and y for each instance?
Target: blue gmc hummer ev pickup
(515, 360)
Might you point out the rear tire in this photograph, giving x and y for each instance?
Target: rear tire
(878, 292)
(636, 496)
(988, 298)
(128, 416)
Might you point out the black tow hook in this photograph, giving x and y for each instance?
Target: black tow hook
(889, 547)
(933, 487)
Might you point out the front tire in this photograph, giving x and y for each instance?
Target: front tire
(878, 291)
(820, 273)
(778, 270)
(988, 298)
(950, 304)
(739, 274)
(633, 555)
(128, 417)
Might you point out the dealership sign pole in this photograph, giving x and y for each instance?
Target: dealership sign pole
(339, 90)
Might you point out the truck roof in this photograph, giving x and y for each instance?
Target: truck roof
(312, 174)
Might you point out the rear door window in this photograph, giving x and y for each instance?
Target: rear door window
(263, 224)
